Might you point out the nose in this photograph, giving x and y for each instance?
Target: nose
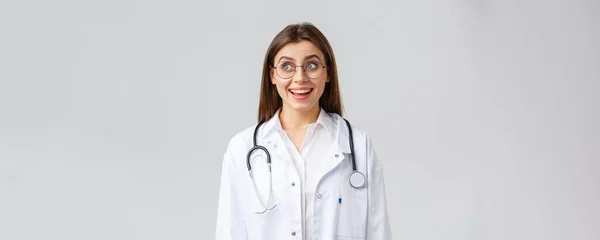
(300, 76)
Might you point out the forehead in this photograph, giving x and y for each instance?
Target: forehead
(299, 50)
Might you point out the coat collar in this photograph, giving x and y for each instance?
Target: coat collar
(342, 137)
(333, 123)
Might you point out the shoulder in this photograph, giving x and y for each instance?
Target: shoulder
(239, 144)
(359, 134)
(241, 139)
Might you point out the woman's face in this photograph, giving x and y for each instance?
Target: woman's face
(302, 90)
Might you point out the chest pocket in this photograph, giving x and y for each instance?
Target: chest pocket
(353, 206)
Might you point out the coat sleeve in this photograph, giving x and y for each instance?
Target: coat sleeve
(230, 221)
(378, 226)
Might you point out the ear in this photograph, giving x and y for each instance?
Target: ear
(271, 74)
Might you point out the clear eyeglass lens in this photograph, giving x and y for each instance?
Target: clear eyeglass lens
(311, 69)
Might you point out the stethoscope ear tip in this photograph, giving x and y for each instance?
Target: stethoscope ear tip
(267, 209)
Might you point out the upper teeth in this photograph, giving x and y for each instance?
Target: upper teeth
(301, 91)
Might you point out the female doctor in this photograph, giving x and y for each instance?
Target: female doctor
(302, 172)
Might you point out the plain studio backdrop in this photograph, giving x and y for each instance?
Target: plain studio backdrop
(114, 115)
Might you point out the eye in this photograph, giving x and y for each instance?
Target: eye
(312, 66)
(287, 67)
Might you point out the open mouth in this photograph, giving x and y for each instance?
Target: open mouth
(301, 92)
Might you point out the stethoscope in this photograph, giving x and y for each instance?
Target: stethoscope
(357, 179)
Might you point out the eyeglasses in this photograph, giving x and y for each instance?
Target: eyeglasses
(287, 70)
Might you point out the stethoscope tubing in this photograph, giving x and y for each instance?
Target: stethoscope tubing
(355, 175)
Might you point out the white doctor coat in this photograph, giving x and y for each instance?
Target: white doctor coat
(340, 211)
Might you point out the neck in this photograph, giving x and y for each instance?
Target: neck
(292, 119)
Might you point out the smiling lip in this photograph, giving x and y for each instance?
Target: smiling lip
(300, 96)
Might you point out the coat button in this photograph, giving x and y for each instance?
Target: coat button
(293, 233)
(319, 196)
(337, 155)
(293, 184)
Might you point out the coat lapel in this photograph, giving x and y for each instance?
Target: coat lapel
(341, 146)
(271, 139)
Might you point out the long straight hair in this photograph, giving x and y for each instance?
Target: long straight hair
(270, 101)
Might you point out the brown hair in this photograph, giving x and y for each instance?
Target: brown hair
(270, 100)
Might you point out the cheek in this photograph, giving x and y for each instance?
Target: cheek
(281, 91)
(321, 88)
(281, 87)
(322, 83)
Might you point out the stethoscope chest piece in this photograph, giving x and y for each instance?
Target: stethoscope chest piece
(357, 179)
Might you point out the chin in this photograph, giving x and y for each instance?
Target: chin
(303, 107)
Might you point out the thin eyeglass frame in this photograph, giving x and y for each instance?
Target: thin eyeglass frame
(295, 70)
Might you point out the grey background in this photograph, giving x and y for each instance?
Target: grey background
(114, 115)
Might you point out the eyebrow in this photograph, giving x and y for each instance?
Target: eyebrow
(305, 58)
